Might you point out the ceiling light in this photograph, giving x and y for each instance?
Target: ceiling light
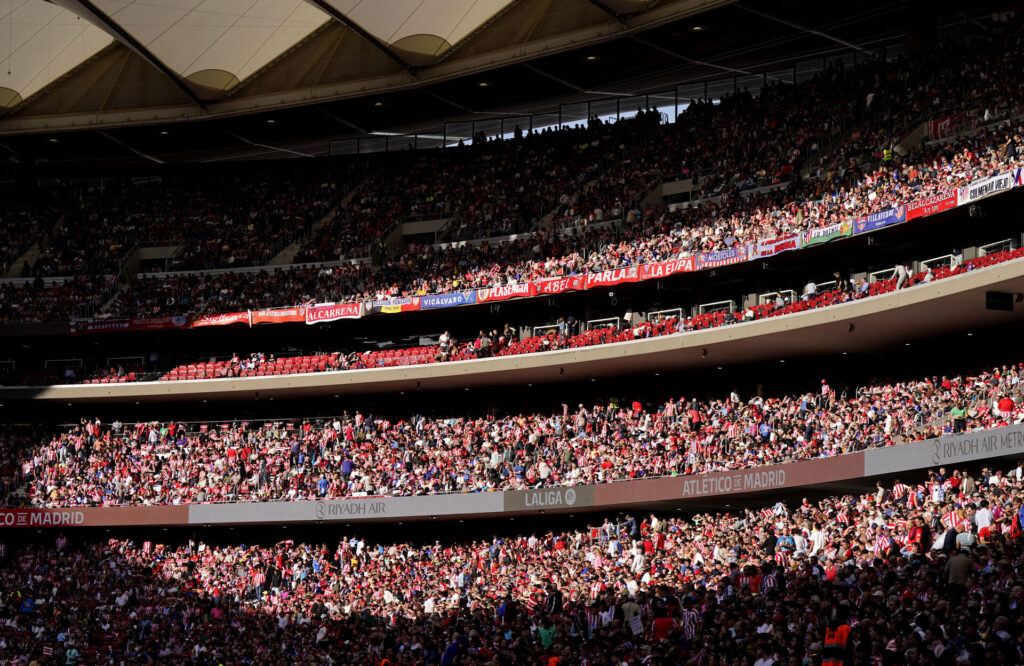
(271, 121)
(592, 58)
(378, 103)
(54, 140)
(163, 133)
(483, 84)
(696, 28)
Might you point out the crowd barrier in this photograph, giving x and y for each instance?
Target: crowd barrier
(620, 495)
(327, 312)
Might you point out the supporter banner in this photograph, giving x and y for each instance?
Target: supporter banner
(949, 450)
(778, 245)
(549, 499)
(505, 293)
(721, 258)
(825, 234)
(137, 324)
(666, 268)
(980, 189)
(1018, 177)
(882, 218)
(611, 278)
(560, 285)
(945, 127)
(94, 516)
(100, 326)
(395, 305)
(931, 205)
(447, 300)
(279, 316)
(156, 323)
(321, 314)
(222, 319)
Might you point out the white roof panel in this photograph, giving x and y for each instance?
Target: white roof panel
(393, 20)
(40, 42)
(234, 36)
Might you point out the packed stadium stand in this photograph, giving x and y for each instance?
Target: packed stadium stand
(498, 332)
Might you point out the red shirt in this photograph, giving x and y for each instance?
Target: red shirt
(662, 627)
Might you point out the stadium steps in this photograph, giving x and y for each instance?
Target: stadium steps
(28, 257)
(811, 163)
(286, 256)
(547, 222)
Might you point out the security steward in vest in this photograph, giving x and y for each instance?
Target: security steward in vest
(837, 651)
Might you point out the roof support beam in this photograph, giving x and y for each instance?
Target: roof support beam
(476, 31)
(128, 40)
(797, 26)
(692, 61)
(621, 18)
(327, 8)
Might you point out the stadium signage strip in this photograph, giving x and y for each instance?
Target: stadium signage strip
(949, 450)
(323, 313)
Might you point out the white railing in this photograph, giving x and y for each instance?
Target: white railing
(998, 246)
(771, 296)
(934, 262)
(609, 322)
(717, 306)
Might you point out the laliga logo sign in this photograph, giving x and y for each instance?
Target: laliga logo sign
(553, 497)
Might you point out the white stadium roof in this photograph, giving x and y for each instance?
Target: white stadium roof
(78, 63)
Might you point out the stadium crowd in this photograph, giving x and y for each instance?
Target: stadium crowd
(35, 300)
(921, 574)
(97, 464)
(858, 173)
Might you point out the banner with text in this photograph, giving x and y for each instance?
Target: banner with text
(504, 293)
(980, 189)
(945, 127)
(325, 312)
(931, 205)
(560, 285)
(733, 255)
(825, 234)
(768, 248)
(395, 305)
(949, 450)
(611, 278)
(95, 516)
(225, 319)
(882, 218)
(136, 324)
(447, 300)
(279, 316)
(666, 268)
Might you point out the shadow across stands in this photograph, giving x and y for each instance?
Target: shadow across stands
(764, 583)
